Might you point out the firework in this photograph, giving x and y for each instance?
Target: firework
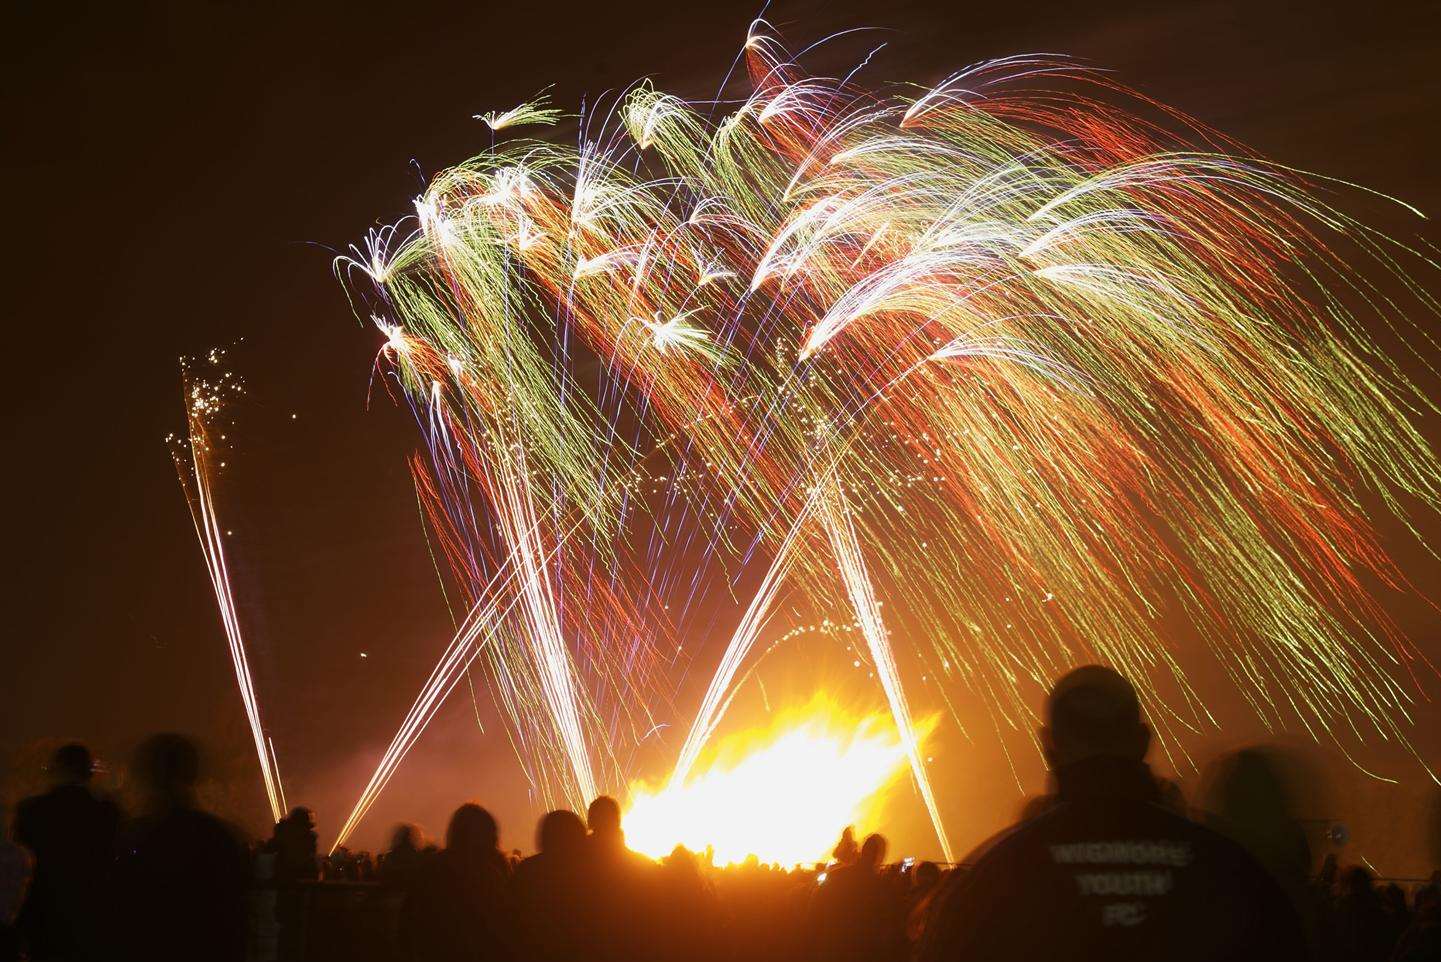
(1024, 357)
(208, 390)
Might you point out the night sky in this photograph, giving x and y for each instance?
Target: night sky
(178, 177)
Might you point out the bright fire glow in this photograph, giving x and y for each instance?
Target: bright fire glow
(782, 792)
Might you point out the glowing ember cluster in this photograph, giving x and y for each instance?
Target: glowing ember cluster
(1018, 367)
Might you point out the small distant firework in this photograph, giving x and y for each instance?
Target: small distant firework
(531, 112)
(209, 390)
(1025, 360)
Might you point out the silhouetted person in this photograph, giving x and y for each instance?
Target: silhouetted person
(295, 846)
(607, 840)
(16, 867)
(1248, 796)
(180, 880)
(1251, 796)
(689, 913)
(459, 908)
(624, 887)
(925, 882)
(846, 850)
(1109, 872)
(927, 875)
(398, 864)
(1361, 929)
(1421, 942)
(554, 893)
(1398, 913)
(856, 913)
(71, 833)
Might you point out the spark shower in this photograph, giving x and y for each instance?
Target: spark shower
(989, 377)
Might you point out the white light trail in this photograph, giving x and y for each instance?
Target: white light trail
(198, 495)
(835, 513)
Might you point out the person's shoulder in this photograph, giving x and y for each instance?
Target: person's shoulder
(644, 864)
(210, 830)
(33, 816)
(47, 801)
(532, 869)
(499, 865)
(1214, 843)
(1216, 855)
(1015, 839)
(15, 859)
(839, 878)
(28, 806)
(1224, 852)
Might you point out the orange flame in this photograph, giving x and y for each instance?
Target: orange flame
(782, 792)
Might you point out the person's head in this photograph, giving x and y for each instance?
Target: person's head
(405, 837)
(1093, 712)
(603, 817)
(1427, 901)
(682, 862)
(302, 817)
(71, 765)
(472, 830)
(873, 850)
(1356, 881)
(560, 833)
(166, 767)
(928, 875)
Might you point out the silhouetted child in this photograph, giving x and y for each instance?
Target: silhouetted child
(180, 881)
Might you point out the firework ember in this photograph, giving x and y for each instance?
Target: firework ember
(1013, 368)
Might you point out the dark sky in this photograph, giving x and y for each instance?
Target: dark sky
(175, 174)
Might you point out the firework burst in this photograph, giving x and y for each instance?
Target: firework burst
(1024, 357)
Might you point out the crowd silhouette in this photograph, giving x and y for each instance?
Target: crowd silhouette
(1110, 864)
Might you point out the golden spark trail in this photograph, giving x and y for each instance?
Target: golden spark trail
(202, 402)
